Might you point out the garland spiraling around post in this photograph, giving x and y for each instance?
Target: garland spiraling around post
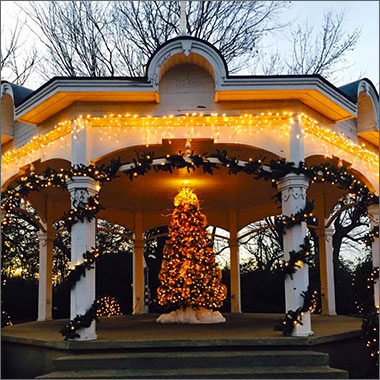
(298, 258)
(305, 215)
(69, 331)
(83, 211)
(75, 274)
(294, 317)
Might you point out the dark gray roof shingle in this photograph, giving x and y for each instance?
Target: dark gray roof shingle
(19, 93)
(351, 89)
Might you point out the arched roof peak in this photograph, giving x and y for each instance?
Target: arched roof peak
(18, 93)
(356, 89)
(187, 49)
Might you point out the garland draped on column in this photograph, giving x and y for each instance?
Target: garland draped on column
(274, 171)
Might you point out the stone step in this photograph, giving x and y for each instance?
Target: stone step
(189, 359)
(287, 372)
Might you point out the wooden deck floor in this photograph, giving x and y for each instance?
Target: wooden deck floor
(144, 328)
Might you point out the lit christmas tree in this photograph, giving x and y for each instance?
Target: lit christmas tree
(108, 307)
(190, 277)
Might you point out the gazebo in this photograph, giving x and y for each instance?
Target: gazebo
(188, 105)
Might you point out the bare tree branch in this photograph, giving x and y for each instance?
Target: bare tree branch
(97, 38)
(323, 54)
(17, 63)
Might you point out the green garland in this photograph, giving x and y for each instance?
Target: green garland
(82, 211)
(370, 332)
(100, 174)
(274, 172)
(75, 274)
(11, 197)
(69, 331)
(292, 318)
(283, 222)
(298, 258)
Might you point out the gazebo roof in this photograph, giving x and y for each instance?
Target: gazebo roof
(187, 82)
(19, 93)
(352, 89)
(59, 92)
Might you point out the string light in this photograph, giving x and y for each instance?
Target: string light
(5, 319)
(17, 156)
(108, 307)
(154, 129)
(359, 153)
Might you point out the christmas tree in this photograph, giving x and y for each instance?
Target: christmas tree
(190, 277)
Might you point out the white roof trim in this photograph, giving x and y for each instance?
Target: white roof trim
(186, 46)
(290, 83)
(80, 85)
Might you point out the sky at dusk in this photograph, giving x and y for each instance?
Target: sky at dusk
(359, 14)
(363, 61)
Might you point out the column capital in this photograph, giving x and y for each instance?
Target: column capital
(81, 182)
(293, 180)
(293, 188)
(232, 242)
(80, 188)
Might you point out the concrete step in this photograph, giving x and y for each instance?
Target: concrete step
(287, 372)
(189, 360)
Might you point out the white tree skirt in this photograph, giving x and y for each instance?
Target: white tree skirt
(190, 315)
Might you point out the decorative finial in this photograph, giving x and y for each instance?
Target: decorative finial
(182, 18)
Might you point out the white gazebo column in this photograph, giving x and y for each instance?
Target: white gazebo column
(328, 293)
(293, 197)
(138, 267)
(82, 233)
(373, 211)
(326, 263)
(146, 287)
(82, 239)
(234, 264)
(45, 286)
